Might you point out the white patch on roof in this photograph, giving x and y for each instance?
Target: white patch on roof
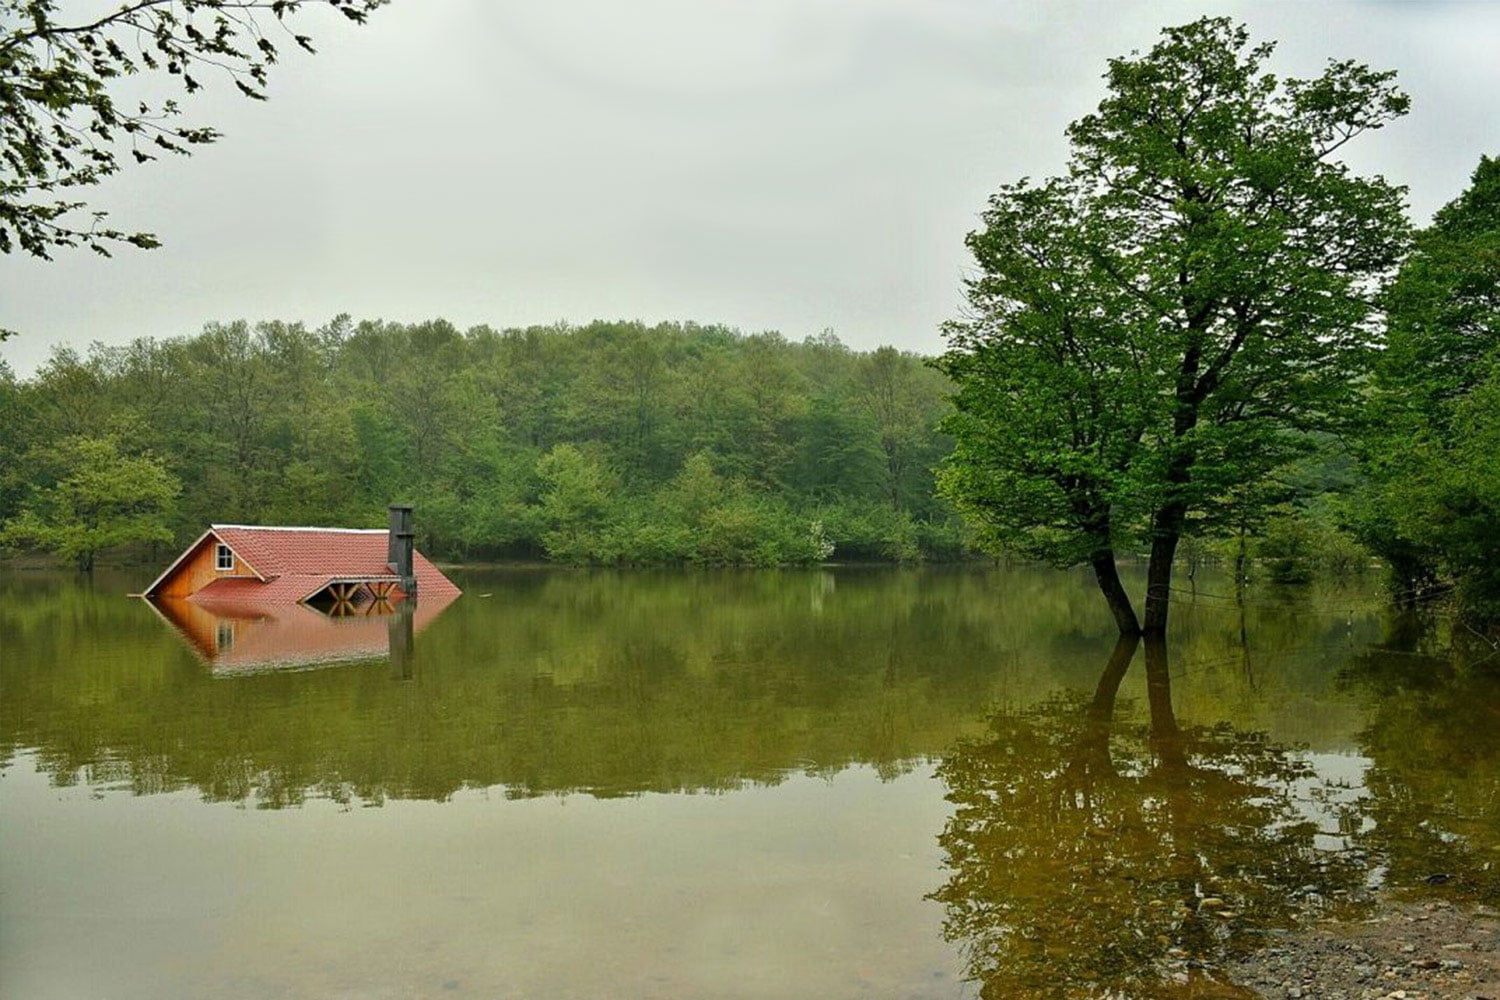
(287, 527)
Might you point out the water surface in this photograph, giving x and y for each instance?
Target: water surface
(833, 783)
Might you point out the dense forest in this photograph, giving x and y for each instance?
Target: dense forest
(632, 444)
(606, 443)
(1205, 339)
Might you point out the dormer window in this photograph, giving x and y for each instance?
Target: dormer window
(223, 558)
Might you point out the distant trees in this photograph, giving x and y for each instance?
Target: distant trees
(1430, 454)
(1156, 332)
(608, 443)
(93, 496)
(64, 125)
(576, 492)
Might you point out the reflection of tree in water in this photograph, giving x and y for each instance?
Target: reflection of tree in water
(1093, 857)
(1432, 792)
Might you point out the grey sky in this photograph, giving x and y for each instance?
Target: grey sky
(782, 164)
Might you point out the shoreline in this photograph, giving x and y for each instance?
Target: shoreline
(1404, 949)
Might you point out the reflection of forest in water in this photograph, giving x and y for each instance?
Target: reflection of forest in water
(1100, 849)
(1111, 830)
(620, 683)
(606, 682)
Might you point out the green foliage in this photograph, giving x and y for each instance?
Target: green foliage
(1153, 334)
(1431, 450)
(97, 497)
(1297, 545)
(576, 491)
(61, 127)
(609, 443)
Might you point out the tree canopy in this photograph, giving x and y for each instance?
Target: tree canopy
(1154, 334)
(95, 496)
(606, 443)
(1431, 448)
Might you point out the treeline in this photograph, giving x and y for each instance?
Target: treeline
(606, 443)
(1428, 500)
(1414, 479)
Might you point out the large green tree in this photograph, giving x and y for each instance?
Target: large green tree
(1156, 331)
(100, 498)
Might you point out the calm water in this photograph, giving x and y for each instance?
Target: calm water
(852, 783)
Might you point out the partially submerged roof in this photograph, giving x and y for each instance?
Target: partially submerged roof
(293, 563)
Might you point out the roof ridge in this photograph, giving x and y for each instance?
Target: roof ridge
(292, 527)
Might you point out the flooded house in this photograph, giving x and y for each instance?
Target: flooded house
(337, 568)
(255, 597)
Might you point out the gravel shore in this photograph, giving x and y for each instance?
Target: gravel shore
(1404, 951)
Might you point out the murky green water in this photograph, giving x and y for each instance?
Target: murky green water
(852, 783)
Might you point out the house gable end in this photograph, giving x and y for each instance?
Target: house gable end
(196, 567)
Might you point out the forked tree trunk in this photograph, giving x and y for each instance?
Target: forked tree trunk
(1165, 534)
(1115, 595)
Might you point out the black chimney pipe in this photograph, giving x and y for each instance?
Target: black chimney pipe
(399, 547)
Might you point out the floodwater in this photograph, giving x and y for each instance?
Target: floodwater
(823, 783)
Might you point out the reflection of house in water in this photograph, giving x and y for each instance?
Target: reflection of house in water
(250, 597)
(241, 638)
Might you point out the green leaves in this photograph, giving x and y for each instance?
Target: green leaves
(99, 497)
(59, 127)
(1156, 331)
(1432, 496)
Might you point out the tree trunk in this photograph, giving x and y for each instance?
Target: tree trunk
(1241, 568)
(1166, 533)
(86, 561)
(1114, 592)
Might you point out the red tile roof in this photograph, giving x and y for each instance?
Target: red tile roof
(319, 551)
(233, 593)
(298, 562)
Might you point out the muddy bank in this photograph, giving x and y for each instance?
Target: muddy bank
(1403, 950)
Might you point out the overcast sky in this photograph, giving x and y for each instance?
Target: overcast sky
(780, 164)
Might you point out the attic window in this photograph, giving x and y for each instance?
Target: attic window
(224, 558)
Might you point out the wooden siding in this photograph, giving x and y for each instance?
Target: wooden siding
(198, 570)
